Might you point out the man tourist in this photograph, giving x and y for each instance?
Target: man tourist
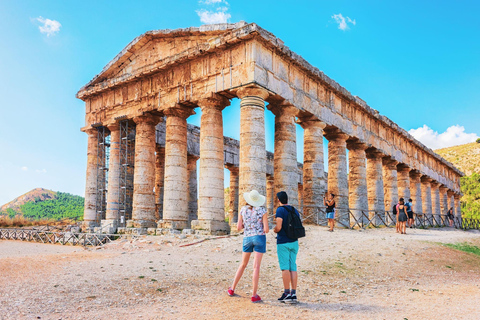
(253, 219)
(287, 250)
(409, 207)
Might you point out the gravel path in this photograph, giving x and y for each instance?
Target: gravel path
(372, 274)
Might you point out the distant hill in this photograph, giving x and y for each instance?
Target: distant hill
(45, 204)
(465, 157)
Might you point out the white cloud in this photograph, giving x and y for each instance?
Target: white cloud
(343, 21)
(212, 1)
(41, 171)
(453, 136)
(49, 27)
(211, 17)
(24, 168)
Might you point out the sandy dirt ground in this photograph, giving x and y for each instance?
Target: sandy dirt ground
(347, 274)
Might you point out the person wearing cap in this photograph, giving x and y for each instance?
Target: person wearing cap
(287, 250)
(254, 220)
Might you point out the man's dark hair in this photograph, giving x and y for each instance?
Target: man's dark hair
(410, 200)
(282, 196)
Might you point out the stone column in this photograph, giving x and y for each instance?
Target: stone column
(314, 187)
(416, 192)
(211, 200)
(390, 186)
(337, 173)
(404, 184)
(300, 198)
(192, 188)
(458, 208)
(233, 201)
(443, 204)
(113, 215)
(376, 198)
(89, 214)
(270, 197)
(252, 141)
(175, 194)
(357, 182)
(159, 180)
(143, 207)
(285, 155)
(436, 211)
(427, 198)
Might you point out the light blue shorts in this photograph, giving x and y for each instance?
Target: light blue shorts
(287, 255)
(331, 215)
(255, 243)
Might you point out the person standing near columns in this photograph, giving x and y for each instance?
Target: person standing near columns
(330, 204)
(337, 172)
(254, 220)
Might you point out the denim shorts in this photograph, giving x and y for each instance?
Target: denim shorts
(255, 243)
(331, 215)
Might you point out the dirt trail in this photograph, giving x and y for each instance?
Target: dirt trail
(372, 274)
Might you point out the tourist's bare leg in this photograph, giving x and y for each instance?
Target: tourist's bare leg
(241, 268)
(286, 279)
(256, 272)
(293, 279)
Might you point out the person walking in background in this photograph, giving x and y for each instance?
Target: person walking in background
(402, 216)
(395, 216)
(409, 207)
(450, 216)
(330, 203)
(287, 250)
(253, 219)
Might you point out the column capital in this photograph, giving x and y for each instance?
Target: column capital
(356, 145)
(113, 126)
(332, 134)
(456, 196)
(374, 154)
(192, 157)
(450, 192)
(91, 131)
(283, 109)
(147, 119)
(390, 163)
(443, 188)
(435, 184)
(178, 111)
(415, 174)
(310, 121)
(252, 91)
(426, 179)
(214, 101)
(232, 168)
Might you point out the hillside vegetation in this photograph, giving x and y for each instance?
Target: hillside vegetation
(466, 157)
(45, 204)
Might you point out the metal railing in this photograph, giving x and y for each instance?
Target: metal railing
(57, 237)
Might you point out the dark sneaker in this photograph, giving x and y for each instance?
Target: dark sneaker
(283, 297)
(230, 292)
(291, 299)
(256, 298)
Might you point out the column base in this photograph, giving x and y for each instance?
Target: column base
(89, 225)
(144, 224)
(109, 226)
(212, 226)
(172, 224)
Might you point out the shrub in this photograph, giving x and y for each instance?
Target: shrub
(478, 140)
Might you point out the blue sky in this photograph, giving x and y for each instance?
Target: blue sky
(417, 62)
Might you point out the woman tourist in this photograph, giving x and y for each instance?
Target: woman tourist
(254, 220)
(402, 216)
(330, 203)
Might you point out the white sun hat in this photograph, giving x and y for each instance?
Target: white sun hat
(254, 198)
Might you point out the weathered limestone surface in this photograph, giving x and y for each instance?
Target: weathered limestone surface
(113, 194)
(436, 202)
(159, 179)
(443, 200)
(90, 214)
(192, 188)
(357, 182)
(451, 201)
(337, 173)
(233, 212)
(300, 197)
(390, 184)
(175, 199)
(376, 197)
(405, 187)
(211, 185)
(252, 142)
(285, 173)
(314, 184)
(416, 192)
(426, 197)
(270, 196)
(143, 213)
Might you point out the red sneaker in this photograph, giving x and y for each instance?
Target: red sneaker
(230, 292)
(256, 298)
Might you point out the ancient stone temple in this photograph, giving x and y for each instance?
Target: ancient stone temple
(141, 169)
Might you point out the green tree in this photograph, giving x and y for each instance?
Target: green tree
(470, 186)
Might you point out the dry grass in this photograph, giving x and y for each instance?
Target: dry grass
(20, 221)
